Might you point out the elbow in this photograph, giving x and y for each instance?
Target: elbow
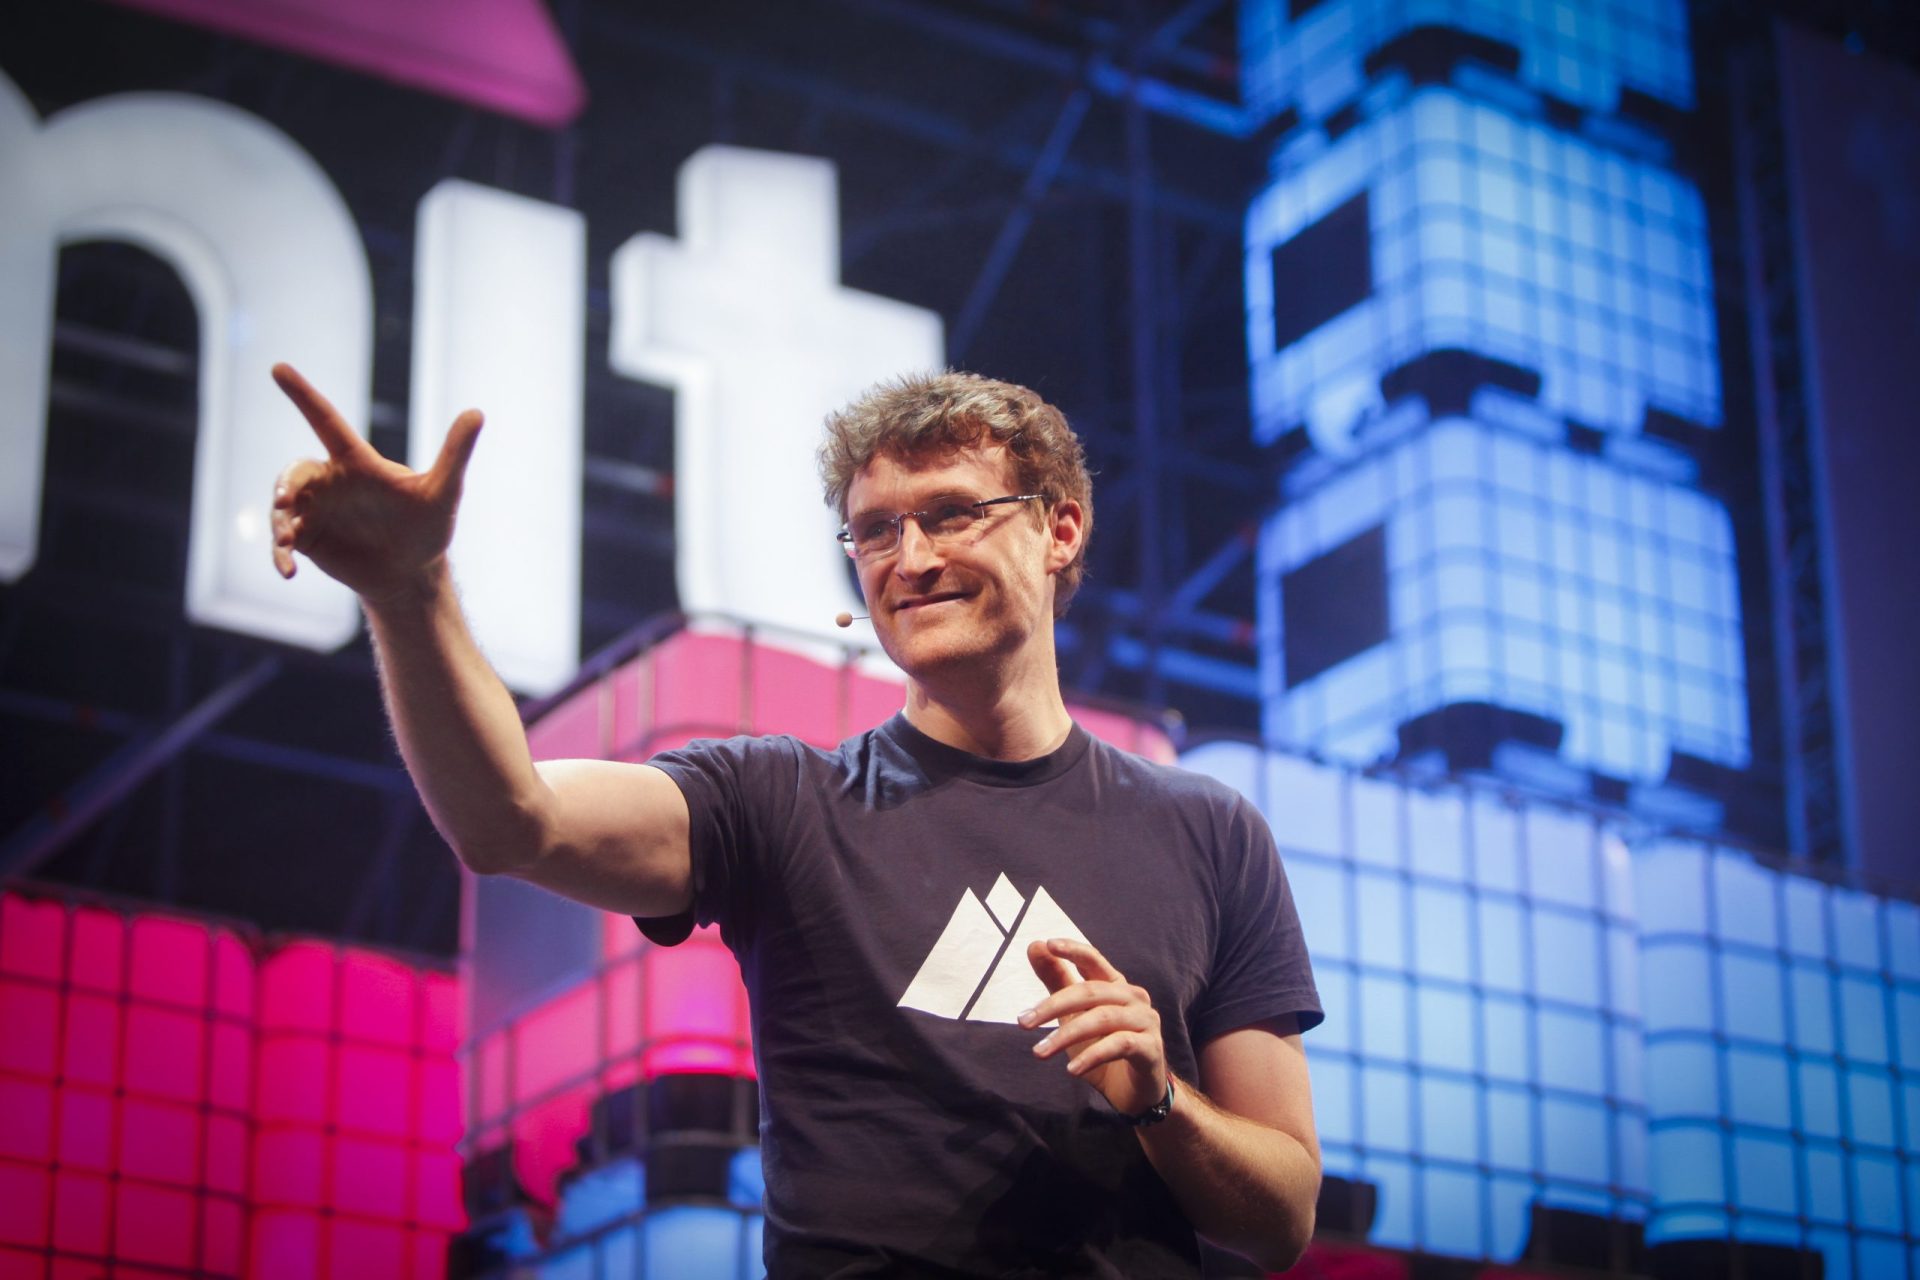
(509, 848)
(1282, 1253)
(493, 857)
(1286, 1240)
(1278, 1251)
(1272, 1253)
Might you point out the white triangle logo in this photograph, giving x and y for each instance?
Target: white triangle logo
(978, 970)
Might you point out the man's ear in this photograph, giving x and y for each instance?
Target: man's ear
(1067, 534)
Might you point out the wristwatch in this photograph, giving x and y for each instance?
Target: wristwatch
(1155, 1113)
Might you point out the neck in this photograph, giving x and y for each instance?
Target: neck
(993, 713)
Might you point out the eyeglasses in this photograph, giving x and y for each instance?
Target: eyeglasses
(876, 533)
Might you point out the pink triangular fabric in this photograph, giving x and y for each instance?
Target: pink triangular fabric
(505, 55)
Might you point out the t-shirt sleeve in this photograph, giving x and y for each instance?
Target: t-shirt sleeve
(1260, 964)
(739, 795)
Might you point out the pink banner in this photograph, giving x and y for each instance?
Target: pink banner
(504, 55)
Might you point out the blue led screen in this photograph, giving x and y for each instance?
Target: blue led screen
(1590, 593)
(1542, 1005)
(1579, 52)
(1524, 1004)
(1494, 234)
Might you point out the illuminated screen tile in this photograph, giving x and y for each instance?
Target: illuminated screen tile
(1739, 1108)
(1528, 257)
(1627, 650)
(1315, 55)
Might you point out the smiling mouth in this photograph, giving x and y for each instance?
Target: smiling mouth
(924, 601)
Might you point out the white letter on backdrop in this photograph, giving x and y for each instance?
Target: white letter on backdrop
(499, 324)
(275, 267)
(745, 318)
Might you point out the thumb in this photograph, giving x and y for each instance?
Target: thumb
(449, 472)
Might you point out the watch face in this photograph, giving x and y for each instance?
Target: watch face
(1158, 1111)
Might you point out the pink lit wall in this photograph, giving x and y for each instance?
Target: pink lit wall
(180, 1097)
(719, 681)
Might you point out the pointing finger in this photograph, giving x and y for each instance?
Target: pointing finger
(341, 440)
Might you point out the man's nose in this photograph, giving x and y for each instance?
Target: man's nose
(918, 552)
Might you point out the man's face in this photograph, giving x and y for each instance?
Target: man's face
(984, 594)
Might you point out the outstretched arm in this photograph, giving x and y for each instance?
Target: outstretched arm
(1243, 1163)
(612, 835)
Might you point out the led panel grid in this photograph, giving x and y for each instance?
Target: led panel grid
(1527, 575)
(1520, 1004)
(1576, 51)
(178, 1099)
(1500, 236)
(357, 1115)
(1783, 1058)
(1478, 966)
(125, 1069)
(647, 1011)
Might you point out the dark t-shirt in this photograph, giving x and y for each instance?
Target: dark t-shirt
(880, 898)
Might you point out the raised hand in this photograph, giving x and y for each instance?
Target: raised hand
(373, 524)
(1110, 1026)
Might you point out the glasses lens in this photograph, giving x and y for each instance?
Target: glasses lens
(950, 519)
(874, 535)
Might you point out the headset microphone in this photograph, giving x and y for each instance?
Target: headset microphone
(844, 619)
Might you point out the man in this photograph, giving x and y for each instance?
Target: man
(923, 1113)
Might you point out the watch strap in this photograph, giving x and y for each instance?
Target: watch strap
(1155, 1113)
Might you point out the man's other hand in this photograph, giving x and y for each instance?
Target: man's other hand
(1109, 1028)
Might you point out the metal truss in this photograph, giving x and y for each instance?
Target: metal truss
(1798, 560)
(116, 777)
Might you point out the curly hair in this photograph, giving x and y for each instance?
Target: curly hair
(918, 416)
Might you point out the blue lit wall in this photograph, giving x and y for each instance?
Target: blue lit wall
(1783, 1058)
(1522, 1005)
(1479, 969)
(1575, 50)
(1593, 592)
(1480, 296)
(1487, 232)
(1481, 334)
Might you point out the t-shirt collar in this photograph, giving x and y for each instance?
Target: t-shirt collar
(943, 761)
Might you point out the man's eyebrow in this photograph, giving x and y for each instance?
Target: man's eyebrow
(921, 504)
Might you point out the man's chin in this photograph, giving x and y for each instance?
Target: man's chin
(918, 650)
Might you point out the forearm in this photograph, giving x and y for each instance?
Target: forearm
(1243, 1184)
(458, 728)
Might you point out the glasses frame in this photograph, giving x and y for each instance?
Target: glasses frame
(899, 522)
